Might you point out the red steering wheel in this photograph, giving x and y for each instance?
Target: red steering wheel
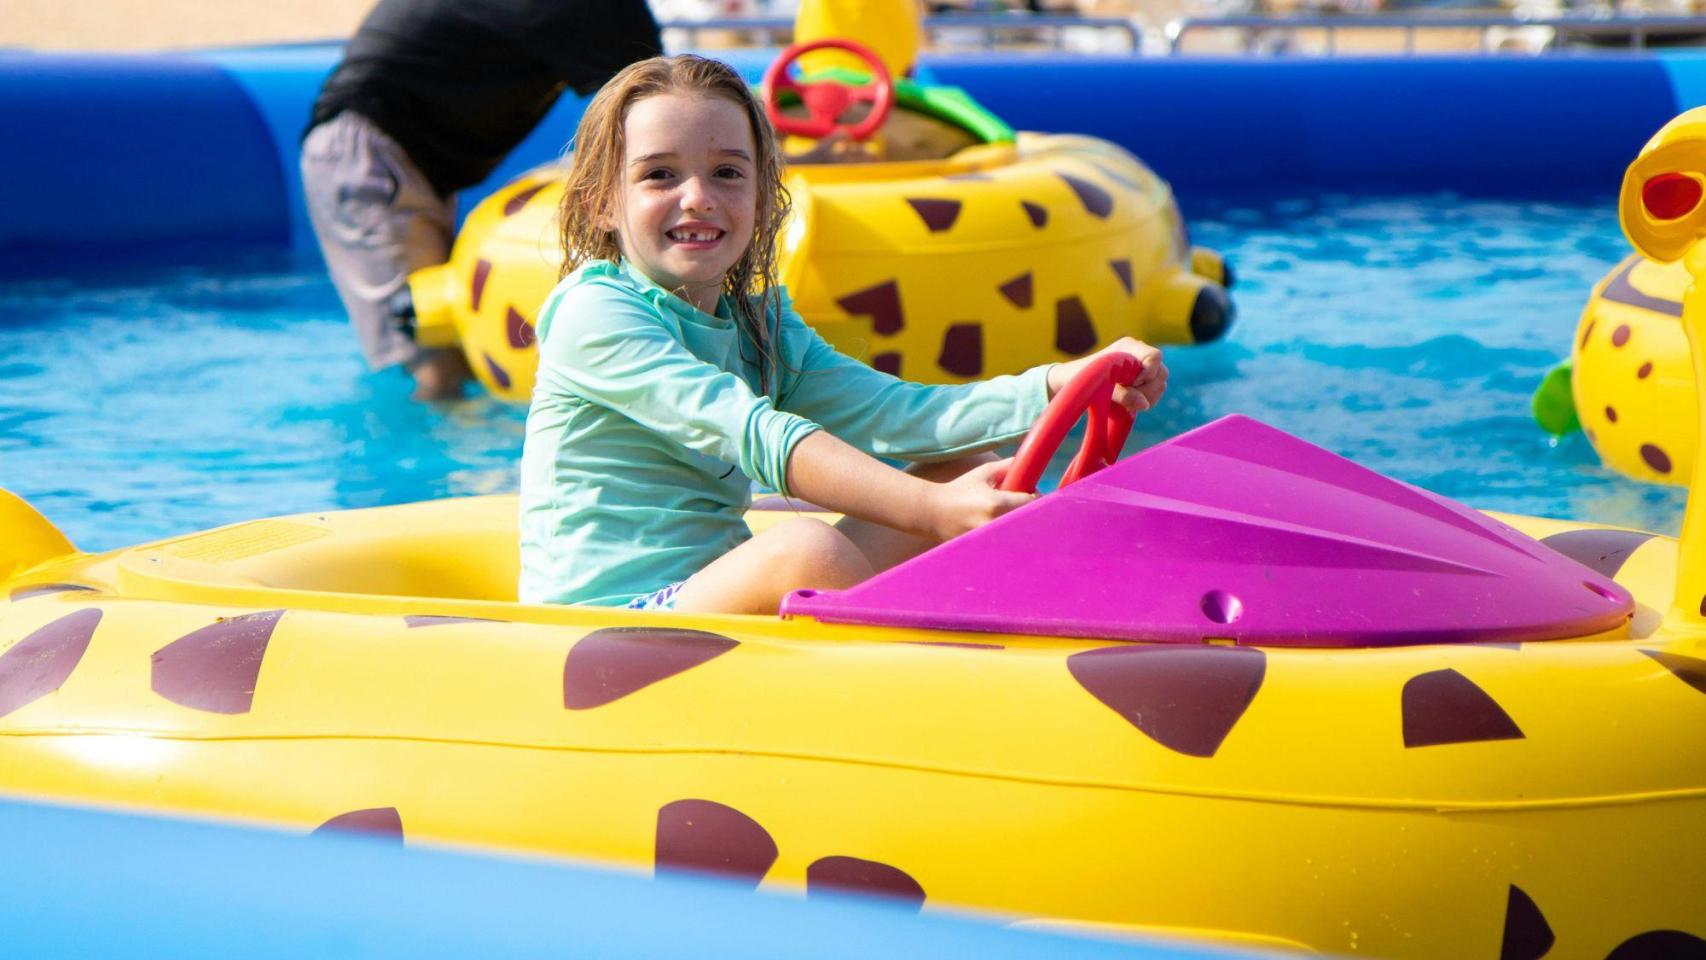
(827, 100)
(1093, 390)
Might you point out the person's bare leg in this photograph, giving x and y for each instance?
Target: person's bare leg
(885, 547)
(755, 576)
(440, 375)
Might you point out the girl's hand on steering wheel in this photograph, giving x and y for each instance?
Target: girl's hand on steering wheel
(971, 500)
(1143, 393)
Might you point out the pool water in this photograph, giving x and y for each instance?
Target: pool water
(1404, 333)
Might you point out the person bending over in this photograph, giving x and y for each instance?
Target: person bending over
(429, 98)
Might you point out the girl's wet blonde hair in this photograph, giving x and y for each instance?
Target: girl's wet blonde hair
(595, 170)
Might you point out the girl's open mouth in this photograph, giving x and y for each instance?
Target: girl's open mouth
(695, 236)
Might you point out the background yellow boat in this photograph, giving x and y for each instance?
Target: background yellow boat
(1631, 382)
(968, 251)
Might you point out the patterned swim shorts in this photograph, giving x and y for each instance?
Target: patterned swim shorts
(661, 599)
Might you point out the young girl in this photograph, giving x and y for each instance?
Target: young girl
(673, 372)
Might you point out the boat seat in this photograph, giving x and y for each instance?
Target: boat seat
(460, 549)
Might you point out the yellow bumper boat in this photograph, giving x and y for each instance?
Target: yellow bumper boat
(1630, 381)
(966, 252)
(1459, 794)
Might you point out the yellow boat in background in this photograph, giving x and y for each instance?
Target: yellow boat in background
(1631, 381)
(966, 251)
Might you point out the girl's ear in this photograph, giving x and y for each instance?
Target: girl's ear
(604, 221)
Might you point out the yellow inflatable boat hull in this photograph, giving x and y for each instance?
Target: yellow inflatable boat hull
(370, 670)
(1000, 257)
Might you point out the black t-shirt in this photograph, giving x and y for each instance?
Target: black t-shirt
(458, 83)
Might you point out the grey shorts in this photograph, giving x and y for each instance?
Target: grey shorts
(377, 219)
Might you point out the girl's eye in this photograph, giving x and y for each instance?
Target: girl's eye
(731, 173)
(658, 174)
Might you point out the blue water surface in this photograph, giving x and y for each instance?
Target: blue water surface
(1405, 333)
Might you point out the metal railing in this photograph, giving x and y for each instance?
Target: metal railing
(991, 30)
(1634, 30)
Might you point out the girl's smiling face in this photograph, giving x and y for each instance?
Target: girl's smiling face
(688, 197)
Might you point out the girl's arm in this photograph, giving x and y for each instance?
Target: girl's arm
(831, 474)
(891, 417)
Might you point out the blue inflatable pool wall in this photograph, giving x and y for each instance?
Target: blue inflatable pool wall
(87, 884)
(112, 153)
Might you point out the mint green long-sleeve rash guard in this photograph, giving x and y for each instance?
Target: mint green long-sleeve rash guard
(648, 427)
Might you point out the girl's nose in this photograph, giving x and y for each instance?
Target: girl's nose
(694, 195)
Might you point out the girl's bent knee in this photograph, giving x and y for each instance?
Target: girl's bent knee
(814, 554)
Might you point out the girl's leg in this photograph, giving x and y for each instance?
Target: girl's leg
(755, 576)
(885, 547)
